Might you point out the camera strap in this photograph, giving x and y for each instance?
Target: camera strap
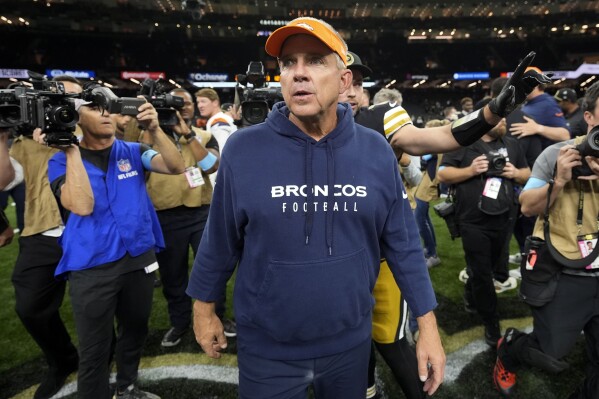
(579, 264)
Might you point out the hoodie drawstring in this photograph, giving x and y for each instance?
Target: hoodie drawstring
(330, 181)
(310, 193)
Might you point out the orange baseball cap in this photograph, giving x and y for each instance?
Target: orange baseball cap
(309, 26)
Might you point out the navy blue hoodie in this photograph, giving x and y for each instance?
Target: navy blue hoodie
(307, 222)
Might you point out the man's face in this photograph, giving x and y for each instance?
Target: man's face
(499, 130)
(355, 93)
(187, 111)
(120, 121)
(95, 122)
(72, 88)
(311, 80)
(207, 107)
(468, 106)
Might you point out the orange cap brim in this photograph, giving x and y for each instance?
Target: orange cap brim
(275, 41)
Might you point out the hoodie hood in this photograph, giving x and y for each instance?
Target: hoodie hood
(278, 121)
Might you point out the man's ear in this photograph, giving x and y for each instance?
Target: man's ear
(347, 78)
(589, 118)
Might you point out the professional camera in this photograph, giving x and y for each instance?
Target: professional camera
(588, 147)
(496, 163)
(104, 98)
(446, 210)
(166, 104)
(256, 101)
(46, 106)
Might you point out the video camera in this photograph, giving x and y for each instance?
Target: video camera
(46, 106)
(588, 147)
(166, 104)
(104, 98)
(496, 163)
(256, 101)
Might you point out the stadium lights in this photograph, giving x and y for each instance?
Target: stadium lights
(134, 80)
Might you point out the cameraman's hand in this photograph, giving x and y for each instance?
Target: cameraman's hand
(148, 117)
(568, 158)
(479, 165)
(593, 163)
(510, 171)
(181, 127)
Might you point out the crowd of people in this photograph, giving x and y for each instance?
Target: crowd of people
(324, 237)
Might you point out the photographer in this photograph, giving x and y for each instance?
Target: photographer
(485, 174)
(562, 292)
(109, 241)
(182, 203)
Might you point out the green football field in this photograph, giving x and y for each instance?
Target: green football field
(184, 372)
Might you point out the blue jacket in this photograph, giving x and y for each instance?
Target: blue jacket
(308, 258)
(544, 110)
(123, 219)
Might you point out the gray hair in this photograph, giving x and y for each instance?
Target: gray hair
(384, 95)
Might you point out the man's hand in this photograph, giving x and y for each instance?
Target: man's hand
(518, 86)
(208, 329)
(524, 129)
(148, 117)
(567, 159)
(430, 354)
(181, 127)
(6, 236)
(510, 171)
(479, 165)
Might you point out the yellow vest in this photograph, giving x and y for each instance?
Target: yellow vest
(41, 209)
(563, 213)
(171, 191)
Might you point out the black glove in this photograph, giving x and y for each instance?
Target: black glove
(518, 86)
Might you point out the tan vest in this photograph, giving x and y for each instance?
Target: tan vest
(428, 190)
(171, 191)
(563, 213)
(41, 208)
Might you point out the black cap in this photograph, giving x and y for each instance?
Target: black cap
(354, 62)
(566, 94)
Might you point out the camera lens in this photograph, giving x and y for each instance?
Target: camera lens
(64, 116)
(499, 163)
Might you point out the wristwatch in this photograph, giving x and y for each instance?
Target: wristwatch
(189, 135)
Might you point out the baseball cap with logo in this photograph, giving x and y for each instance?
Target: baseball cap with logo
(566, 95)
(308, 26)
(354, 62)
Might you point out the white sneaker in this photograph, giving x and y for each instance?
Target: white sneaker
(516, 273)
(463, 276)
(507, 285)
(432, 261)
(515, 258)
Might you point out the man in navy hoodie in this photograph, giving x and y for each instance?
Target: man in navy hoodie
(308, 236)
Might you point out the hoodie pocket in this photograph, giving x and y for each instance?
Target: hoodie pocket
(303, 301)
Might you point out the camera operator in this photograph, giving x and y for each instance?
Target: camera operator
(485, 174)
(7, 172)
(182, 203)
(562, 295)
(108, 244)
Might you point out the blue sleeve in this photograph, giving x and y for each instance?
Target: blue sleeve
(57, 166)
(400, 244)
(534, 182)
(146, 158)
(221, 244)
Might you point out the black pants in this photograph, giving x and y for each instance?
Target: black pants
(557, 327)
(481, 249)
(39, 297)
(182, 227)
(523, 228)
(401, 359)
(97, 300)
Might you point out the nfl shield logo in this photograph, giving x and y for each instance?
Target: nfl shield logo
(124, 165)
